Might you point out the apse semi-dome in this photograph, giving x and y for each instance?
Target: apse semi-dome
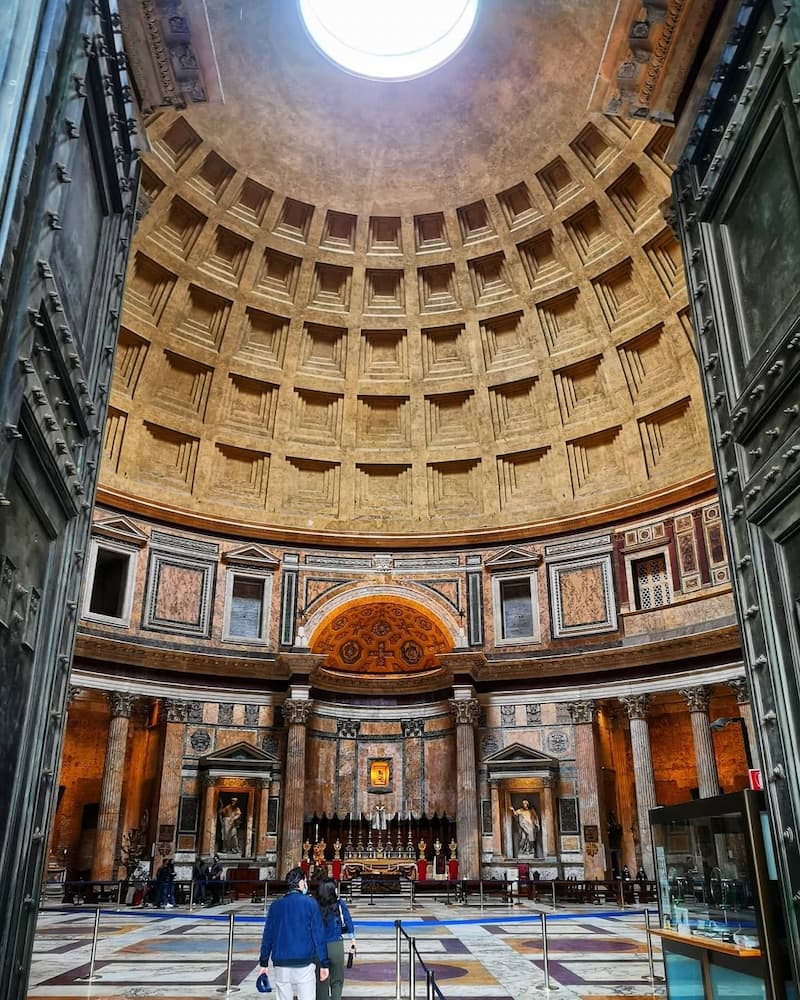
(389, 41)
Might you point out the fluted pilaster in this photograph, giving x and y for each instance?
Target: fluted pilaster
(176, 713)
(586, 762)
(466, 712)
(636, 706)
(121, 705)
(296, 712)
(697, 700)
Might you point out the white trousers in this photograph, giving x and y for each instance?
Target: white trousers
(295, 981)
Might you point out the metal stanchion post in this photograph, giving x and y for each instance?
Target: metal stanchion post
(398, 968)
(412, 896)
(430, 986)
(553, 887)
(266, 893)
(92, 978)
(546, 985)
(621, 893)
(191, 895)
(227, 989)
(480, 888)
(412, 969)
(119, 893)
(651, 965)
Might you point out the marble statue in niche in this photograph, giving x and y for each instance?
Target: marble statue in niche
(527, 826)
(231, 823)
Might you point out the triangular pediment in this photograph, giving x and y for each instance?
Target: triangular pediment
(239, 753)
(251, 555)
(518, 761)
(517, 753)
(513, 556)
(121, 530)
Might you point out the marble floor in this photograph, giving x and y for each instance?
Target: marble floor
(494, 954)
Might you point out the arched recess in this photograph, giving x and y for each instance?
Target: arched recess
(383, 630)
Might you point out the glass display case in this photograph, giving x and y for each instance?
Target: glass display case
(721, 928)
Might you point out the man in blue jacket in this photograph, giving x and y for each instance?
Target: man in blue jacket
(295, 939)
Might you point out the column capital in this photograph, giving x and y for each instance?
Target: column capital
(697, 698)
(348, 729)
(72, 693)
(741, 687)
(208, 780)
(176, 710)
(465, 711)
(582, 712)
(120, 703)
(296, 711)
(412, 727)
(636, 705)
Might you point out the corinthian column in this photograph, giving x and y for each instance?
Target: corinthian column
(465, 712)
(171, 767)
(707, 778)
(742, 689)
(636, 707)
(296, 712)
(105, 848)
(586, 764)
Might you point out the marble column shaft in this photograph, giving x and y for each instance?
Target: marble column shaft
(296, 711)
(549, 832)
(586, 764)
(263, 806)
(207, 839)
(105, 848)
(466, 713)
(644, 779)
(707, 777)
(171, 766)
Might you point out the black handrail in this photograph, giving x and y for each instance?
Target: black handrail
(430, 976)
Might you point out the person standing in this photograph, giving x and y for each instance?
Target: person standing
(166, 890)
(336, 921)
(295, 940)
(214, 881)
(200, 878)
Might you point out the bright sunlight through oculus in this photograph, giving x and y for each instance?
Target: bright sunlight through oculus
(389, 39)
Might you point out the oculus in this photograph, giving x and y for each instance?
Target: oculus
(388, 41)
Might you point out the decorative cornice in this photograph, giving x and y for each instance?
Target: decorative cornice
(161, 42)
(648, 60)
(691, 489)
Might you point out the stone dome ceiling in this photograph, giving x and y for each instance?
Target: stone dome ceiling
(434, 309)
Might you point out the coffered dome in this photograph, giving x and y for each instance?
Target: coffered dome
(420, 309)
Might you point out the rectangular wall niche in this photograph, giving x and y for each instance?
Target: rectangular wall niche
(180, 592)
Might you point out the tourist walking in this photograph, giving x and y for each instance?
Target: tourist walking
(295, 940)
(337, 922)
